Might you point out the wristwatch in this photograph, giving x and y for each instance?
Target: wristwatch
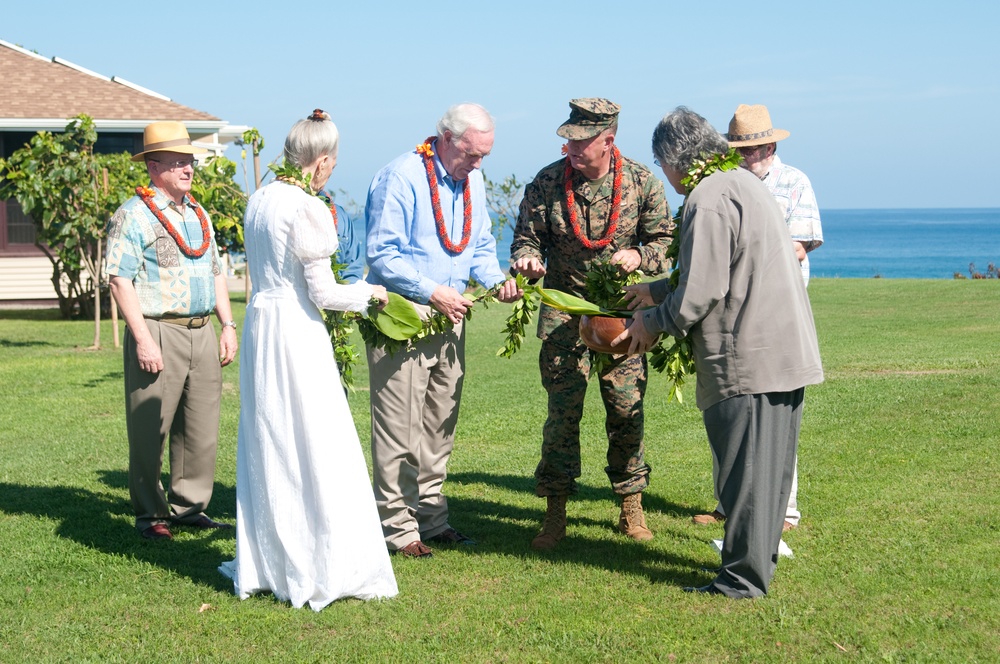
(230, 323)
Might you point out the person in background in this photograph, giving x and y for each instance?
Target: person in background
(595, 205)
(164, 272)
(429, 232)
(306, 524)
(351, 242)
(740, 301)
(753, 136)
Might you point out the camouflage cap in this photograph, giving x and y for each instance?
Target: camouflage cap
(588, 117)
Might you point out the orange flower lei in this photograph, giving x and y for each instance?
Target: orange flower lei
(424, 149)
(146, 194)
(330, 204)
(616, 203)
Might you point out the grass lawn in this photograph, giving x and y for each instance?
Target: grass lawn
(897, 557)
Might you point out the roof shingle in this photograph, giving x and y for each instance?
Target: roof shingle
(39, 88)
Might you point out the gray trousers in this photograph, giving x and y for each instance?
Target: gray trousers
(181, 402)
(754, 437)
(415, 396)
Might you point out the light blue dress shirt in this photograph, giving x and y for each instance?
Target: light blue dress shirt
(404, 252)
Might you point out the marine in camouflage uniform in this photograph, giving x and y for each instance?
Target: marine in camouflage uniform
(544, 233)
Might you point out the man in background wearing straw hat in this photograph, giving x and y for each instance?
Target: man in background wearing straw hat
(164, 271)
(592, 206)
(753, 136)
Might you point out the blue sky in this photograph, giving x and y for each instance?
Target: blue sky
(889, 104)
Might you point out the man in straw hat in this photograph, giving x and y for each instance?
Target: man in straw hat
(751, 133)
(164, 271)
(571, 218)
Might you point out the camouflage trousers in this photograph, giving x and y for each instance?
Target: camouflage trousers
(564, 373)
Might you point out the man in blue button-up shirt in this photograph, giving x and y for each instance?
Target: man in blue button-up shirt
(428, 234)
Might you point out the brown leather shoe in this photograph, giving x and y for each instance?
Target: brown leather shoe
(157, 531)
(708, 519)
(788, 525)
(416, 549)
(452, 536)
(204, 522)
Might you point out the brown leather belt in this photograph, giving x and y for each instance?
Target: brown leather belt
(190, 322)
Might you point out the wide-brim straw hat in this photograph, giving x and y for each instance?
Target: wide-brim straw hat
(751, 125)
(166, 136)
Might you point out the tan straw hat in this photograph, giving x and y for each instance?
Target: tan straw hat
(751, 125)
(166, 136)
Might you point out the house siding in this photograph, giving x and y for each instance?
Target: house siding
(28, 278)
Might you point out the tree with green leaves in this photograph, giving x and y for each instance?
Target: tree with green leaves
(503, 199)
(69, 193)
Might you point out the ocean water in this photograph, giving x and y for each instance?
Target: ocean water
(895, 243)
(906, 244)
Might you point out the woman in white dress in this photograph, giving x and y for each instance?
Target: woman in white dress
(306, 524)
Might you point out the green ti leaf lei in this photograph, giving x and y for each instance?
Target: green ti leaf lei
(604, 288)
(604, 283)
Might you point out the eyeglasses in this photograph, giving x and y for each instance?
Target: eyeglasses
(472, 156)
(656, 162)
(748, 149)
(180, 163)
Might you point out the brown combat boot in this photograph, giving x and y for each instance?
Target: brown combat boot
(554, 526)
(632, 522)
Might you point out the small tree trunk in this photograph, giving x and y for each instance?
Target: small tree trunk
(97, 304)
(256, 166)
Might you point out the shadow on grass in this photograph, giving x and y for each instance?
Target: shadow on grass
(95, 520)
(508, 529)
(112, 376)
(651, 501)
(7, 343)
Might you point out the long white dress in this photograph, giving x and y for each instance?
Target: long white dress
(306, 524)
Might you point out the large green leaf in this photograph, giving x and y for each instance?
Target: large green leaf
(576, 306)
(398, 320)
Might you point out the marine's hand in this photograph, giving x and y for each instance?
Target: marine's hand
(529, 266)
(451, 303)
(628, 259)
(509, 292)
(637, 295)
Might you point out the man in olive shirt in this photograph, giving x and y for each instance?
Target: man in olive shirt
(594, 205)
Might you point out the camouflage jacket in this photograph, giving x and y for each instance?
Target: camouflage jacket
(543, 227)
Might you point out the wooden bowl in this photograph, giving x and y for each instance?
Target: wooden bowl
(597, 332)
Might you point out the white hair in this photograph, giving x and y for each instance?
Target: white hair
(310, 139)
(461, 117)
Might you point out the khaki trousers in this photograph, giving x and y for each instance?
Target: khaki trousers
(181, 402)
(415, 396)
